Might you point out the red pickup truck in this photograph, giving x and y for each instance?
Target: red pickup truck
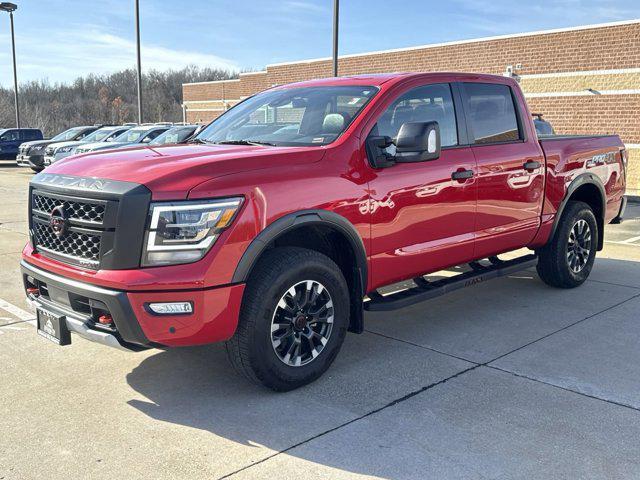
(277, 226)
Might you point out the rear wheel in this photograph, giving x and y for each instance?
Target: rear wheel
(37, 169)
(566, 261)
(293, 319)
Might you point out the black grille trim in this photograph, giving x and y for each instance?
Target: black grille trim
(121, 229)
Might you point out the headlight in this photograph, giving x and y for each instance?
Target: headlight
(183, 232)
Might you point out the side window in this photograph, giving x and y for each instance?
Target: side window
(151, 135)
(10, 136)
(492, 113)
(423, 104)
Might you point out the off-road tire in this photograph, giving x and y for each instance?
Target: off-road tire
(553, 264)
(251, 351)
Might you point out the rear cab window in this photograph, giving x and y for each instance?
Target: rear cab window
(491, 113)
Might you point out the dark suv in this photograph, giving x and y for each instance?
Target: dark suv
(12, 138)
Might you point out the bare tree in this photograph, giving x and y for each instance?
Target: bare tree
(107, 98)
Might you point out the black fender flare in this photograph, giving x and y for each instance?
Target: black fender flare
(327, 218)
(576, 183)
(295, 220)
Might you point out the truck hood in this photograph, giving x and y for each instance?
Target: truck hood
(100, 145)
(35, 143)
(58, 145)
(171, 171)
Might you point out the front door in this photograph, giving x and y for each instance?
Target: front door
(421, 219)
(510, 176)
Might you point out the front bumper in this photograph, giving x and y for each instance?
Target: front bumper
(214, 317)
(36, 161)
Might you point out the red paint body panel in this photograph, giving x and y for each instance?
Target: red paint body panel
(214, 318)
(412, 218)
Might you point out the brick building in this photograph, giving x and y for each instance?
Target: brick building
(583, 79)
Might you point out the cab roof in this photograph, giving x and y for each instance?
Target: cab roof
(379, 79)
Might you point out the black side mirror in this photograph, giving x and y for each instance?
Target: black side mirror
(376, 151)
(418, 142)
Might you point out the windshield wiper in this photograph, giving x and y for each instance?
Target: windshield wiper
(200, 141)
(245, 142)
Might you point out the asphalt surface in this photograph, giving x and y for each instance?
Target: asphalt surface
(506, 379)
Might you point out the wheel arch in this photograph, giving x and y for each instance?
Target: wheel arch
(586, 188)
(320, 230)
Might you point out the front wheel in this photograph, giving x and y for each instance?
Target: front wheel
(293, 320)
(566, 261)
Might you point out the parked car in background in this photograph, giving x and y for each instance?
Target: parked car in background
(59, 150)
(31, 154)
(12, 138)
(270, 228)
(140, 135)
(542, 126)
(176, 134)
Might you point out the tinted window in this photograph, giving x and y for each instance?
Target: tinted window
(67, 134)
(492, 113)
(10, 136)
(30, 135)
(150, 136)
(423, 104)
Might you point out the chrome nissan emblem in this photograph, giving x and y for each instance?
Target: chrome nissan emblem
(58, 221)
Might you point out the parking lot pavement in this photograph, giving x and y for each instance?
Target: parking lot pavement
(507, 379)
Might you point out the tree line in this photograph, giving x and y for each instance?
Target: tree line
(106, 99)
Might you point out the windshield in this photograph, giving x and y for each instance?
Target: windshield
(68, 134)
(173, 135)
(131, 136)
(295, 116)
(98, 136)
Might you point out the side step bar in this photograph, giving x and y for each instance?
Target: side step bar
(425, 290)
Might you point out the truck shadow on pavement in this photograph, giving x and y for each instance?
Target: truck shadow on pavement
(196, 387)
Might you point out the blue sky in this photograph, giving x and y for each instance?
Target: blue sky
(62, 39)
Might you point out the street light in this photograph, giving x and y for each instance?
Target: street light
(336, 16)
(139, 65)
(12, 7)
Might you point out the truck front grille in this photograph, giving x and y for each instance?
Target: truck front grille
(77, 210)
(96, 224)
(87, 222)
(74, 247)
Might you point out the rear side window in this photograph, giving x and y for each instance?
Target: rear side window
(492, 113)
(31, 135)
(422, 104)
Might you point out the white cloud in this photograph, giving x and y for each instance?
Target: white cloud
(79, 50)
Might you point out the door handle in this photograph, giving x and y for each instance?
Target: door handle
(531, 165)
(462, 175)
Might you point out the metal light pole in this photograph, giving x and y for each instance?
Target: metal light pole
(12, 7)
(139, 63)
(336, 16)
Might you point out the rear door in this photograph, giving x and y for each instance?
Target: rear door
(510, 163)
(421, 219)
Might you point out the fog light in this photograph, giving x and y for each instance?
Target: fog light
(171, 308)
(105, 320)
